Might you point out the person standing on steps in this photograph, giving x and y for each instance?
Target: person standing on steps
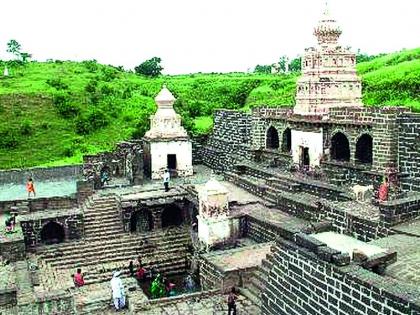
(118, 294)
(30, 188)
(166, 178)
(231, 300)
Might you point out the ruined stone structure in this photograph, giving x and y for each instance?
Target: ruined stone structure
(291, 230)
(166, 144)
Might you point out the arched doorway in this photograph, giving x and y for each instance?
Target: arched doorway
(172, 216)
(340, 148)
(141, 221)
(364, 149)
(286, 145)
(52, 233)
(272, 140)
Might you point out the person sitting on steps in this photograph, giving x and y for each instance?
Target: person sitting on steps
(78, 278)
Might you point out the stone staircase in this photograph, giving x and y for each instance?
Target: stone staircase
(256, 285)
(102, 217)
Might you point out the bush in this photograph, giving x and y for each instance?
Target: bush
(88, 123)
(26, 127)
(64, 108)
(57, 83)
(91, 65)
(9, 139)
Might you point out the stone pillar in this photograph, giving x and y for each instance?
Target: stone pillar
(215, 225)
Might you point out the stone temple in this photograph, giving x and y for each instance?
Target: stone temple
(313, 209)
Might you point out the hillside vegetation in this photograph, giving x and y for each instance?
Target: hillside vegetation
(54, 112)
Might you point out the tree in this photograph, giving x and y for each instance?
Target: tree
(150, 68)
(262, 69)
(295, 64)
(14, 47)
(25, 56)
(283, 61)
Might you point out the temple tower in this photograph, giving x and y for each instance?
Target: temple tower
(166, 144)
(329, 76)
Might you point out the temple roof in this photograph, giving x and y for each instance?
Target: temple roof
(327, 31)
(165, 97)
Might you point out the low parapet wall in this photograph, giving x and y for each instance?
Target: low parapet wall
(19, 176)
(302, 282)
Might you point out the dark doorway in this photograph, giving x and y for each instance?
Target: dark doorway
(141, 221)
(172, 216)
(172, 161)
(286, 145)
(52, 233)
(272, 141)
(364, 149)
(304, 156)
(340, 148)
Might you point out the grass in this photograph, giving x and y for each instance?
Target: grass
(58, 111)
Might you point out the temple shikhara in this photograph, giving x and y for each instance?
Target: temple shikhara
(309, 209)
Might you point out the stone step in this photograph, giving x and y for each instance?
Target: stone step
(90, 248)
(110, 255)
(86, 244)
(105, 219)
(251, 296)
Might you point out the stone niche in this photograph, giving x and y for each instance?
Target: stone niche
(167, 145)
(215, 225)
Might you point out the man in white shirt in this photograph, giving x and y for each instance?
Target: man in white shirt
(166, 177)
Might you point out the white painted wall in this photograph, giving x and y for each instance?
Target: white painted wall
(311, 140)
(214, 230)
(159, 157)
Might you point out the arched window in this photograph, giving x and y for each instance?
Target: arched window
(286, 145)
(364, 149)
(340, 148)
(172, 216)
(52, 233)
(141, 221)
(272, 141)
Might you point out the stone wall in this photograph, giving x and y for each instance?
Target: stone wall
(198, 144)
(304, 281)
(38, 204)
(19, 176)
(409, 151)
(13, 249)
(401, 210)
(70, 220)
(125, 162)
(230, 140)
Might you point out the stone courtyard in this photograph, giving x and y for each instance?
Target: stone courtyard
(313, 209)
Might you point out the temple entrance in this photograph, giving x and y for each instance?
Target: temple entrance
(141, 221)
(171, 161)
(272, 140)
(304, 159)
(172, 216)
(286, 145)
(52, 233)
(364, 149)
(340, 148)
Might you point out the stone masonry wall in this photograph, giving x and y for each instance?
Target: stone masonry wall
(409, 151)
(301, 283)
(230, 141)
(19, 176)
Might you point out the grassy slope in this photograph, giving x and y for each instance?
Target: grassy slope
(44, 137)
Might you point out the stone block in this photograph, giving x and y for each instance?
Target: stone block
(341, 259)
(308, 242)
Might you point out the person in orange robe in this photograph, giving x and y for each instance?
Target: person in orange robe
(30, 188)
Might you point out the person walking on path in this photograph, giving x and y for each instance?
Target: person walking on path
(118, 294)
(30, 188)
(231, 300)
(166, 178)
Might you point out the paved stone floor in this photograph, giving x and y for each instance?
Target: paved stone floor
(59, 187)
(407, 266)
(213, 305)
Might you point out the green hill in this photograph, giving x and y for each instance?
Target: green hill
(54, 112)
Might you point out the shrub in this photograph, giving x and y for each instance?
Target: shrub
(91, 65)
(26, 127)
(64, 108)
(9, 139)
(57, 83)
(88, 123)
